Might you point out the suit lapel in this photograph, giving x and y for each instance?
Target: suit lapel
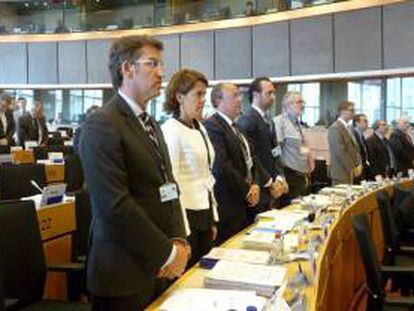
(136, 126)
(229, 131)
(347, 134)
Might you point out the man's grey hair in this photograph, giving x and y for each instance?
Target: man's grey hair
(289, 98)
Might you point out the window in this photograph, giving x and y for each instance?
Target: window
(366, 95)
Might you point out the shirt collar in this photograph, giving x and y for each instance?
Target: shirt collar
(379, 135)
(346, 124)
(136, 109)
(259, 110)
(226, 118)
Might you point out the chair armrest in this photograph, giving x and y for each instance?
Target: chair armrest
(399, 302)
(406, 250)
(66, 267)
(397, 270)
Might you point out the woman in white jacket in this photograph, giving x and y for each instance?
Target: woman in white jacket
(192, 157)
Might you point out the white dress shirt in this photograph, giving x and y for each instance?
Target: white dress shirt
(137, 110)
(191, 168)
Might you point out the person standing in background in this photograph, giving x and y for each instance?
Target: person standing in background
(297, 158)
(137, 232)
(192, 157)
(345, 161)
(32, 127)
(7, 124)
(381, 157)
(237, 181)
(402, 146)
(360, 123)
(260, 133)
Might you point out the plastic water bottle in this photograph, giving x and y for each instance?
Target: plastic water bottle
(276, 249)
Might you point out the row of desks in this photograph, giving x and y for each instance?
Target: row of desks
(57, 223)
(340, 277)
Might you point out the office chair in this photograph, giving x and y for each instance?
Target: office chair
(395, 253)
(15, 180)
(319, 176)
(375, 274)
(73, 173)
(4, 149)
(23, 261)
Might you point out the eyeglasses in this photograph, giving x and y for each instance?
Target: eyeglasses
(153, 63)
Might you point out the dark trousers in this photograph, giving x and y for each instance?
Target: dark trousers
(130, 303)
(201, 243)
(298, 185)
(227, 228)
(200, 239)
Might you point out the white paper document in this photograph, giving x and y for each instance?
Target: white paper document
(203, 299)
(264, 280)
(240, 255)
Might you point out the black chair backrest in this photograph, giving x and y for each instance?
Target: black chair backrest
(4, 149)
(83, 222)
(73, 172)
(21, 247)
(15, 180)
(389, 227)
(41, 153)
(400, 195)
(406, 212)
(55, 141)
(368, 253)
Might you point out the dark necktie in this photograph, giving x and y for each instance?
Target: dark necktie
(390, 154)
(242, 142)
(149, 128)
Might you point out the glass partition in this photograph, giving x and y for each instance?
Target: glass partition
(62, 16)
(388, 98)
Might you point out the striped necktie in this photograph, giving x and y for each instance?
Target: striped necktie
(149, 128)
(247, 158)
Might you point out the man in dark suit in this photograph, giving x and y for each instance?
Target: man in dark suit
(360, 126)
(262, 138)
(381, 157)
(236, 187)
(7, 124)
(137, 230)
(32, 127)
(402, 146)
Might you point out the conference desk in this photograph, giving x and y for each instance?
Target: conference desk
(57, 222)
(338, 283)
(55, 173)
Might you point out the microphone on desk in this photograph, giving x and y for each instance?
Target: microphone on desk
(34, 184)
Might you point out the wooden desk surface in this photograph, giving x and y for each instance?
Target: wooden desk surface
(339, 275)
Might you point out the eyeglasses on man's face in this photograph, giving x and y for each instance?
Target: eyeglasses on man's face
(152, 63)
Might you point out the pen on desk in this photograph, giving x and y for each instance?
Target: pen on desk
(34, 184)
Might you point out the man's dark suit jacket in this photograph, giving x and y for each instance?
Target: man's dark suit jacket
(11, 128)
(263, 141)
(379, 158)
(28, 129)
(131, 229)
(363, 151)
(403, 150)
(229, 170)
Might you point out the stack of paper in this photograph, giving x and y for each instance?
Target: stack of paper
(337, 191)
(282, 220)
(264, 280)
(203, 299)
(262, 238)
(240, 255)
